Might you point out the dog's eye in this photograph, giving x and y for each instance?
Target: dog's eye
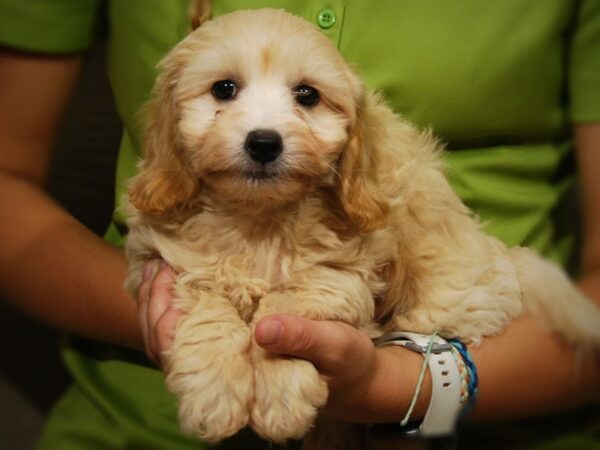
(224, 90)
(306, 95)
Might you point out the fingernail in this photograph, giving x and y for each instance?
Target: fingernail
(269, 332)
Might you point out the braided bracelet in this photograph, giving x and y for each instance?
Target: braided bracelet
(473, 378)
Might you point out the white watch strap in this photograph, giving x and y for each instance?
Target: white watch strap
(444, 406)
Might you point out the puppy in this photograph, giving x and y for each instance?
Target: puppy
(272, 181)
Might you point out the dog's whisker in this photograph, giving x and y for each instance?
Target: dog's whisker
(334, 169)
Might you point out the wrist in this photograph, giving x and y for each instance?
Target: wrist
(384, 393)
(454, 382)
(403, 376)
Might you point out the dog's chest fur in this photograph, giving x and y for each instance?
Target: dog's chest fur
(245, 258)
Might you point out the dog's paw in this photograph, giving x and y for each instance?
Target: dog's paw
(288, 394)
(211, 376)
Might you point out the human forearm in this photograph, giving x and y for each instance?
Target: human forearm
(50, 265)
(55, 269)
(526, 370)
(529, 370)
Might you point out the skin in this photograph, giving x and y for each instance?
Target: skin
(53, 268)
(77, 276)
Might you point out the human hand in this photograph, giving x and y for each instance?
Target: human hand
(156, 313)
(366, 384)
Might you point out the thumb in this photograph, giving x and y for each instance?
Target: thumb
(331, 346)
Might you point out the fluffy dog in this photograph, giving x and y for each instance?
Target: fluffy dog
(273, 181)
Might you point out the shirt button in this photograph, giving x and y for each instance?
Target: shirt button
(326, 18)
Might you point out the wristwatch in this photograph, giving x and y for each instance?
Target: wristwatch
(444, 406)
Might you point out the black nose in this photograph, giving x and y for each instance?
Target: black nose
(263, 146)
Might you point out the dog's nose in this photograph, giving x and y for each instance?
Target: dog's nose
(263, 146)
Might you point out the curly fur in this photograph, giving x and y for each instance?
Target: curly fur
(355, 222)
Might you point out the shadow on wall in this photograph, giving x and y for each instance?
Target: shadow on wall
(82, 179)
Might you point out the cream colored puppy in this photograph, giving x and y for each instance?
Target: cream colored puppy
(273, 181)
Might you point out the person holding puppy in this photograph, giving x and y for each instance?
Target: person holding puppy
(495, 146)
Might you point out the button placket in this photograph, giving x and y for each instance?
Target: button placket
(329, 18)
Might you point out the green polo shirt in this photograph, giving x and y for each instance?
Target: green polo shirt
(499, 82)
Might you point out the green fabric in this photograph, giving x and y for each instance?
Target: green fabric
(498, 82)
(57, 26)
(584, 68)
(120, 402)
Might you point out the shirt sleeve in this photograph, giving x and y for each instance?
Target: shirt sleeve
(584, 66)
(48, 26)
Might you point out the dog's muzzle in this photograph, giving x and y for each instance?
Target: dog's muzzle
(263, 146)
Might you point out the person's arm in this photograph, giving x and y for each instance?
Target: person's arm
(51, 266)
(524, 371)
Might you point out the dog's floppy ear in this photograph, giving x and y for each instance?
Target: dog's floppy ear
(165, 180)
(358, 185)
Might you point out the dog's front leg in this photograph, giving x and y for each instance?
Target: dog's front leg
(289, 391)
(209, 366)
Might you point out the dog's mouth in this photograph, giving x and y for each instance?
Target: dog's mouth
(261, 174)
(265, 187)
(253, 176)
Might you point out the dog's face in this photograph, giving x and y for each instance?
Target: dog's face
(266, 105)
(255, 107)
